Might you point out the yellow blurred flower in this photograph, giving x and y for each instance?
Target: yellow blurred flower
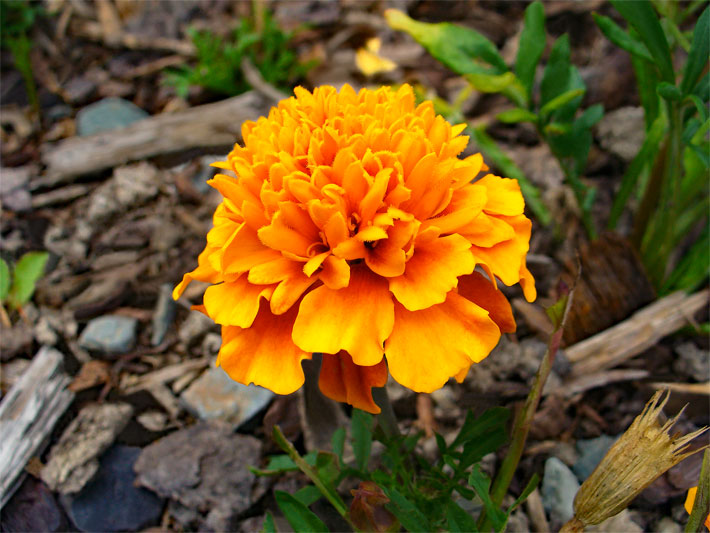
(352, 229)
(369, 61)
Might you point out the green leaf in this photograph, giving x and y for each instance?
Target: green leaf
(591, 116)
(698, 55)
(457, 47)
(481, 483)
(308, 495)
(491, 421)
(498, 158)
(669, 92)
(560, 101)
(693, 269)
(556, 76)
(27, 272)
(301, 518)
(269, 526)
(518, 114)
(411, 518)
(362, 437)
(641, 16)
(702, 89)
(458, 520)
(327, 468)
(646, 81)
(644, 157)
(532, 484)
(621, 38)
(531, 46)
(491, 83)
(278, 464)
(338, 442)
(4, 280)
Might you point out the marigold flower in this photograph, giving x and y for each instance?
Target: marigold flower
(353, 229)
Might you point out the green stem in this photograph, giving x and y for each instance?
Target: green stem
(330, 494)
(580, 193)
(386, 419)
(701, 507)
(524, 418)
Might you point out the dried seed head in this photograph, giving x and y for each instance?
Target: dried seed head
(644, 452)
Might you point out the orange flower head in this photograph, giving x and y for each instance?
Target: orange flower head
(350, 227)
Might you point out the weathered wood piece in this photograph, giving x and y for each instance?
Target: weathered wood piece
(632, 336)
(210, 125)
(28, 414)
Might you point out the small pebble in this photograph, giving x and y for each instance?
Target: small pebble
(110, 334)
(108, 114)
(559, 487)
(591, 452)
(164, 314)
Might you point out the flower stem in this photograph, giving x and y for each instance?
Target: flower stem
(386, 419)
(523, 420)
(701, 507)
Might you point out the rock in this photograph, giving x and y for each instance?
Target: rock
(78, 90)
(620, 522)
(129, 187)
(668, 525)
(111, 502)
(591, 452)
(14, 192)
(163, 315)
(559, 487)
(195, 326)
(73, 460)
(44, 332)
(692, 361)
(214, 395)
(15, 340)
(110, 334)
(166, 236)
(32, 508)
(202, 467)
(621, 132)
(102, 295)
(108, 114)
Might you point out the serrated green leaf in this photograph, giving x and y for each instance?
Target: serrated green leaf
(642, 17)
(269, 525)
(301, 518)
(481, 483)
(361, 430)
(4, 280)
(308, 495)
(459, 520)
(561, 100)
(621, 38)
(461, 49)
(669, 92)
(531, 46)
(699, 52)
(491, 83)
(28, 270)
(497, 157)
(411, 518)
(518, 114)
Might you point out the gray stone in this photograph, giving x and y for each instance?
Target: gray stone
(202, 467)
(692, 361)
(163, 315)
(73, 460)
(110, 334)
(107, 114)
(591, 452)
(214, 395)
(129, 187)
(615, 524)
(559, 487)
(668, 525)
(195, 326)
(111, 502)
(14, 192)
(621, 132)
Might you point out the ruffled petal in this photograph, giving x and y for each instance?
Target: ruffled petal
(235, 303)
(506, 259)
(428, 347)
(244, 250)
(204, 272)
(344, 381)
(357, 318)
(432, 272)
(481, 291)
(504, 196)
(264, 354)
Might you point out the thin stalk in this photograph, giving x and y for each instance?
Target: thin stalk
(386, 419)
(650, 197)
(701, 507)
(307, 469)
(524, 418)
